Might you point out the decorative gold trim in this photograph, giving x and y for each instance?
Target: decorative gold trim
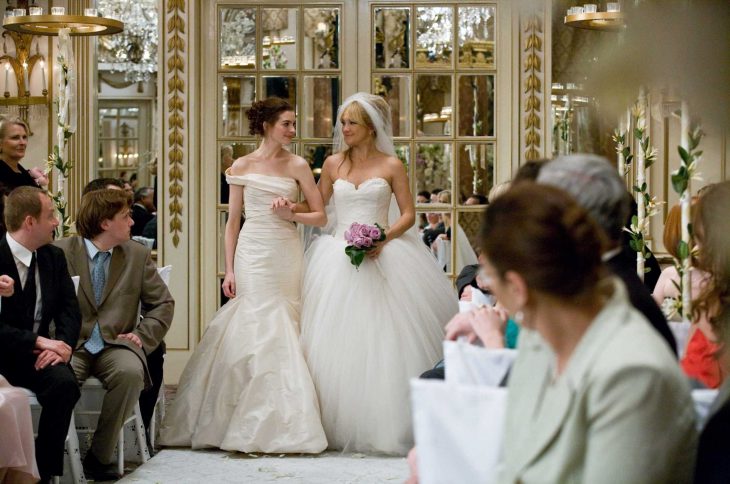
(176, 110)
(80, 25)
(605, 21)
(533, 86)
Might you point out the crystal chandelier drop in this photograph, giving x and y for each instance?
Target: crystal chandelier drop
(133, 51)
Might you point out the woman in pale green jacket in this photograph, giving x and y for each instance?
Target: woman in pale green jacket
(595, 395)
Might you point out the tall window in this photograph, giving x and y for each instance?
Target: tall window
(435, 65)
(293, 52)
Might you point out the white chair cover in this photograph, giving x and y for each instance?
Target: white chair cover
(458, 431)
(467, 364)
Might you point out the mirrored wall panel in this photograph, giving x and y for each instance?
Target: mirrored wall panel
(476, 105)
(319, 106)
(392, 38)
(433, 167)
(434, 36)
(321, 38)
(238, 92)
(476, 172)
(403, 152)
(315, 154)
(397, 91)
(476, 36)
(433, 105)
(228, 153)
(237, 45)
(279, 29)
(284, 87)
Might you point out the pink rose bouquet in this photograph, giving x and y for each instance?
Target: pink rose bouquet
(361, 238)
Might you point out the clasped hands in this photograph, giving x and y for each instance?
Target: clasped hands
(284, 208)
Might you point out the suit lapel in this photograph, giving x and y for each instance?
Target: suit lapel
(546, 405)
(45, 272)
(115, 270)
(79, 262)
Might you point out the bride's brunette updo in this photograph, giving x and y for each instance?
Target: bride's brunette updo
(266, 111)
(541, 233)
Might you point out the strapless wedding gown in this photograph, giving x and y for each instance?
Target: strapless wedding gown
(366, 333)
(247, 387)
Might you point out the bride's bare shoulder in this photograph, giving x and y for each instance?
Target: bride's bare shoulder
(241, 166)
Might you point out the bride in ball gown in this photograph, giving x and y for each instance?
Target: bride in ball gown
(247, 387)
(366, 332)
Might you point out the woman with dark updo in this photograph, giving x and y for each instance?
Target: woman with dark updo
(247, 387)
(595, 394)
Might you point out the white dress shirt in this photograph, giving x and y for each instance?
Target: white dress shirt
(23, 258)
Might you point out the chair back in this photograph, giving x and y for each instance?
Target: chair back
(164, 273)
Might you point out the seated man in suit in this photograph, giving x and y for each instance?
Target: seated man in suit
(43, 292)
(143, 208)
(598, 188)
(117, 275)
(155, 359)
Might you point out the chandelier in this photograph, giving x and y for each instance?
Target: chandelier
(133, 51)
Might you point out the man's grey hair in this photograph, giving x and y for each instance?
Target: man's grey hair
(596, 186)
(142, 193)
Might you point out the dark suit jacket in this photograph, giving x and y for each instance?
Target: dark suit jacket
(132, 280)
(623, 265)
(714, 446)
(58, 299)
(141, 216)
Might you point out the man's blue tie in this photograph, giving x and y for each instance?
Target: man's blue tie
(95, 343)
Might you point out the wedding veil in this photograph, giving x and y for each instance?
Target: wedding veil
(379, 113)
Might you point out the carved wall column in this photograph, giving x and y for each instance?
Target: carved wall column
(81, 144)
(178, 213)
(534, 82)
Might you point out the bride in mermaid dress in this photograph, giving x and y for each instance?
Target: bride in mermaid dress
(366, 332)
(247, 387)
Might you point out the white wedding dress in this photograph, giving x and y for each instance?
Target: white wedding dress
(366, 332)
(247, 387)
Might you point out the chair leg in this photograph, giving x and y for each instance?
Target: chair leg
(141, 437)
(120, 452)
(74, 453)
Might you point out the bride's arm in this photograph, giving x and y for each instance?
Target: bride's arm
(402, 192)
(315, 208)
(233, 226)
(326, 179)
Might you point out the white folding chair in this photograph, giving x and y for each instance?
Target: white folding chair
(159, 412)
(72, 446)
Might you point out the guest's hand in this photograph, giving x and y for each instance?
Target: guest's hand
(488, 323)
(466, 294)
(59, 347)
(131, 337)
(48, 358)
(412, 466)
(460, 325)
(229, 285)
(38, 176)
(6, 286)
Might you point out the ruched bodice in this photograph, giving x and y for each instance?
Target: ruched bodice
(260, 191)
(365, 204)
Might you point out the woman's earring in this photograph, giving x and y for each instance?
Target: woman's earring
(519, 316)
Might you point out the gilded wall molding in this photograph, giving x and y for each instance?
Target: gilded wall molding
(532, 98)
(176, 122)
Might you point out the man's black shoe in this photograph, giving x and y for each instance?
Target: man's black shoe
(93, 469)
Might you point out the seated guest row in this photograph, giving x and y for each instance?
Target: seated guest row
(595, 395)
(97, 334)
